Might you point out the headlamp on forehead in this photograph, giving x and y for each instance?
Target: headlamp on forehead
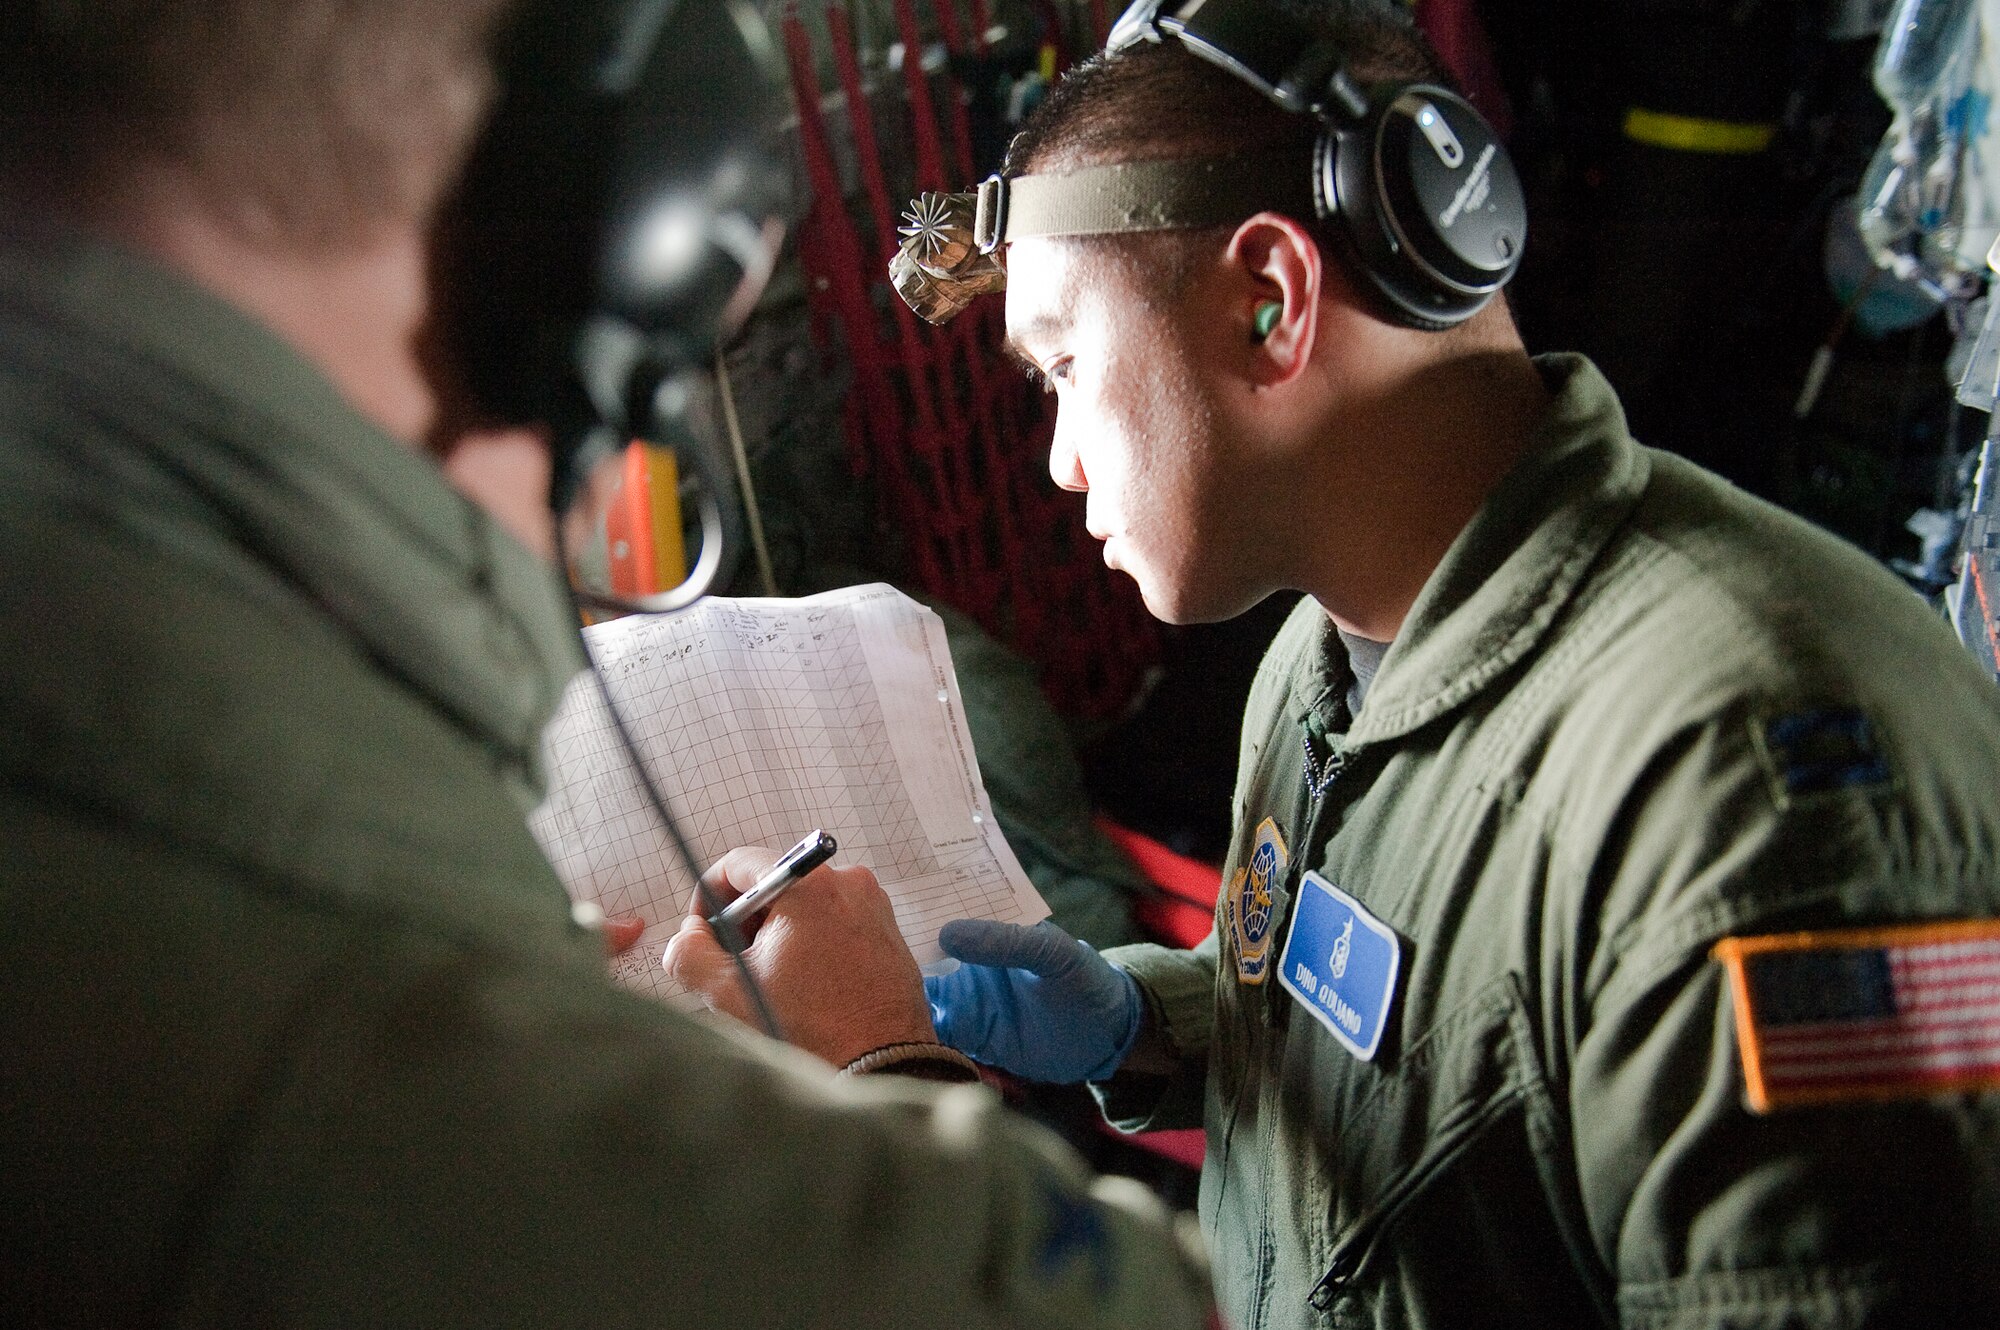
(951, 242)
(940, 266)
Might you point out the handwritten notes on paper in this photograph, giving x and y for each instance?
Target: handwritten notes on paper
(760, 720)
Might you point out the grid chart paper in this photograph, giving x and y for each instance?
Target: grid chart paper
(761, 720)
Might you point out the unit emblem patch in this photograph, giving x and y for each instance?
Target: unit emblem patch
(1250, 902)
(1866, 1013)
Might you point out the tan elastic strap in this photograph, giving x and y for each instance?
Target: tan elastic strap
(930, 1062)
(1142, 196)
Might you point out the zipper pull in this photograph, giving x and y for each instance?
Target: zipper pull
(1329, 1289)
(1320, 772)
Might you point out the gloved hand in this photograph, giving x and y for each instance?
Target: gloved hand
(1033, 1001)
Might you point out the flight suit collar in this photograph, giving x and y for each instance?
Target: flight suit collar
(429, 585)
(1508, 575)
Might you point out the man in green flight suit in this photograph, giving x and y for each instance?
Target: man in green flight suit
(298, 1028)
(1609, 936)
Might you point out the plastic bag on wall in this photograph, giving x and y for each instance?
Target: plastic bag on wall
(1979, 190)
(1930, 202)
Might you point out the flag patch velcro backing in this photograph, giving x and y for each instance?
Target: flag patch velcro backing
(1866, 1013)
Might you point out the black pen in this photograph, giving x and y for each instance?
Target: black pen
(801, 859)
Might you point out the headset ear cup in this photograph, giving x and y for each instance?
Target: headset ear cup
(617, 211)
(1412, 261)
(1345, 189)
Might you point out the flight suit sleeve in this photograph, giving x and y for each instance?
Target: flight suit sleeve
(1162, 1083)
(453, 1138)
(1705, 1213)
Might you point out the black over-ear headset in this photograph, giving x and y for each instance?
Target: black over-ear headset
(1413, 178)
(621, 208)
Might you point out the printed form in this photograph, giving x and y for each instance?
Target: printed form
(761, 720)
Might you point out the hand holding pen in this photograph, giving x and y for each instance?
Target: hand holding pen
(830, 959)
(794, 864)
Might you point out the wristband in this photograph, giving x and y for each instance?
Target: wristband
(925, 1061)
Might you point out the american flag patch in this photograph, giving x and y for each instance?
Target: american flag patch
(1866, 1013)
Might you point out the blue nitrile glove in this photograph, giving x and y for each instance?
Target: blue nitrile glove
(1033, 1001)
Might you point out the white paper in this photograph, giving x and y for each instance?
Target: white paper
(761, 720)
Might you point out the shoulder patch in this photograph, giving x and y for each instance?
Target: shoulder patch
(1866, 1013)
(1250, 903)
(1813, 752)
(1072, 1231)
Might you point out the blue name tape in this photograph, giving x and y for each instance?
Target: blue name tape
(1340, 962)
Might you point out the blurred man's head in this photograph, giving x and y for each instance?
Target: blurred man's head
(610, 217)
(288, 155)
(303, 124)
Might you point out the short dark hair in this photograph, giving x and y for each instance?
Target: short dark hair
(1162, 102)
(304, 121)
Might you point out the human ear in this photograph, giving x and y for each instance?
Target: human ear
(1276, 263)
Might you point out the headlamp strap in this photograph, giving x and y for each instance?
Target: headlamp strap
(951, 242)
(1140, 196)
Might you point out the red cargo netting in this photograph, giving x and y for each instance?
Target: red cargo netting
(954, 438)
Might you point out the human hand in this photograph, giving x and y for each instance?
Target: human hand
(1033, 1001)
(828, 955)
(621, 933)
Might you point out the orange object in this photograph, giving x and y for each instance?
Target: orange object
(1986, 605)
(642, 526)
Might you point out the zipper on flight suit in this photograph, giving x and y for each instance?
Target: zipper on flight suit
(1319, 776)
(1329, 1288)
(1315, 779)
(1361, 1245)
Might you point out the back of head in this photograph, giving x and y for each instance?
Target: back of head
(578, 239)
(303, 123)
(1160, 102)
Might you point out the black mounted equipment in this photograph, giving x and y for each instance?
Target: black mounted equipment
(617, 217)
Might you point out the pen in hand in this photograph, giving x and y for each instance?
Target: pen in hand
(798, 861)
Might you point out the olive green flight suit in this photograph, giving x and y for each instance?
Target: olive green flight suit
(1561, 791)
(296, 1028)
